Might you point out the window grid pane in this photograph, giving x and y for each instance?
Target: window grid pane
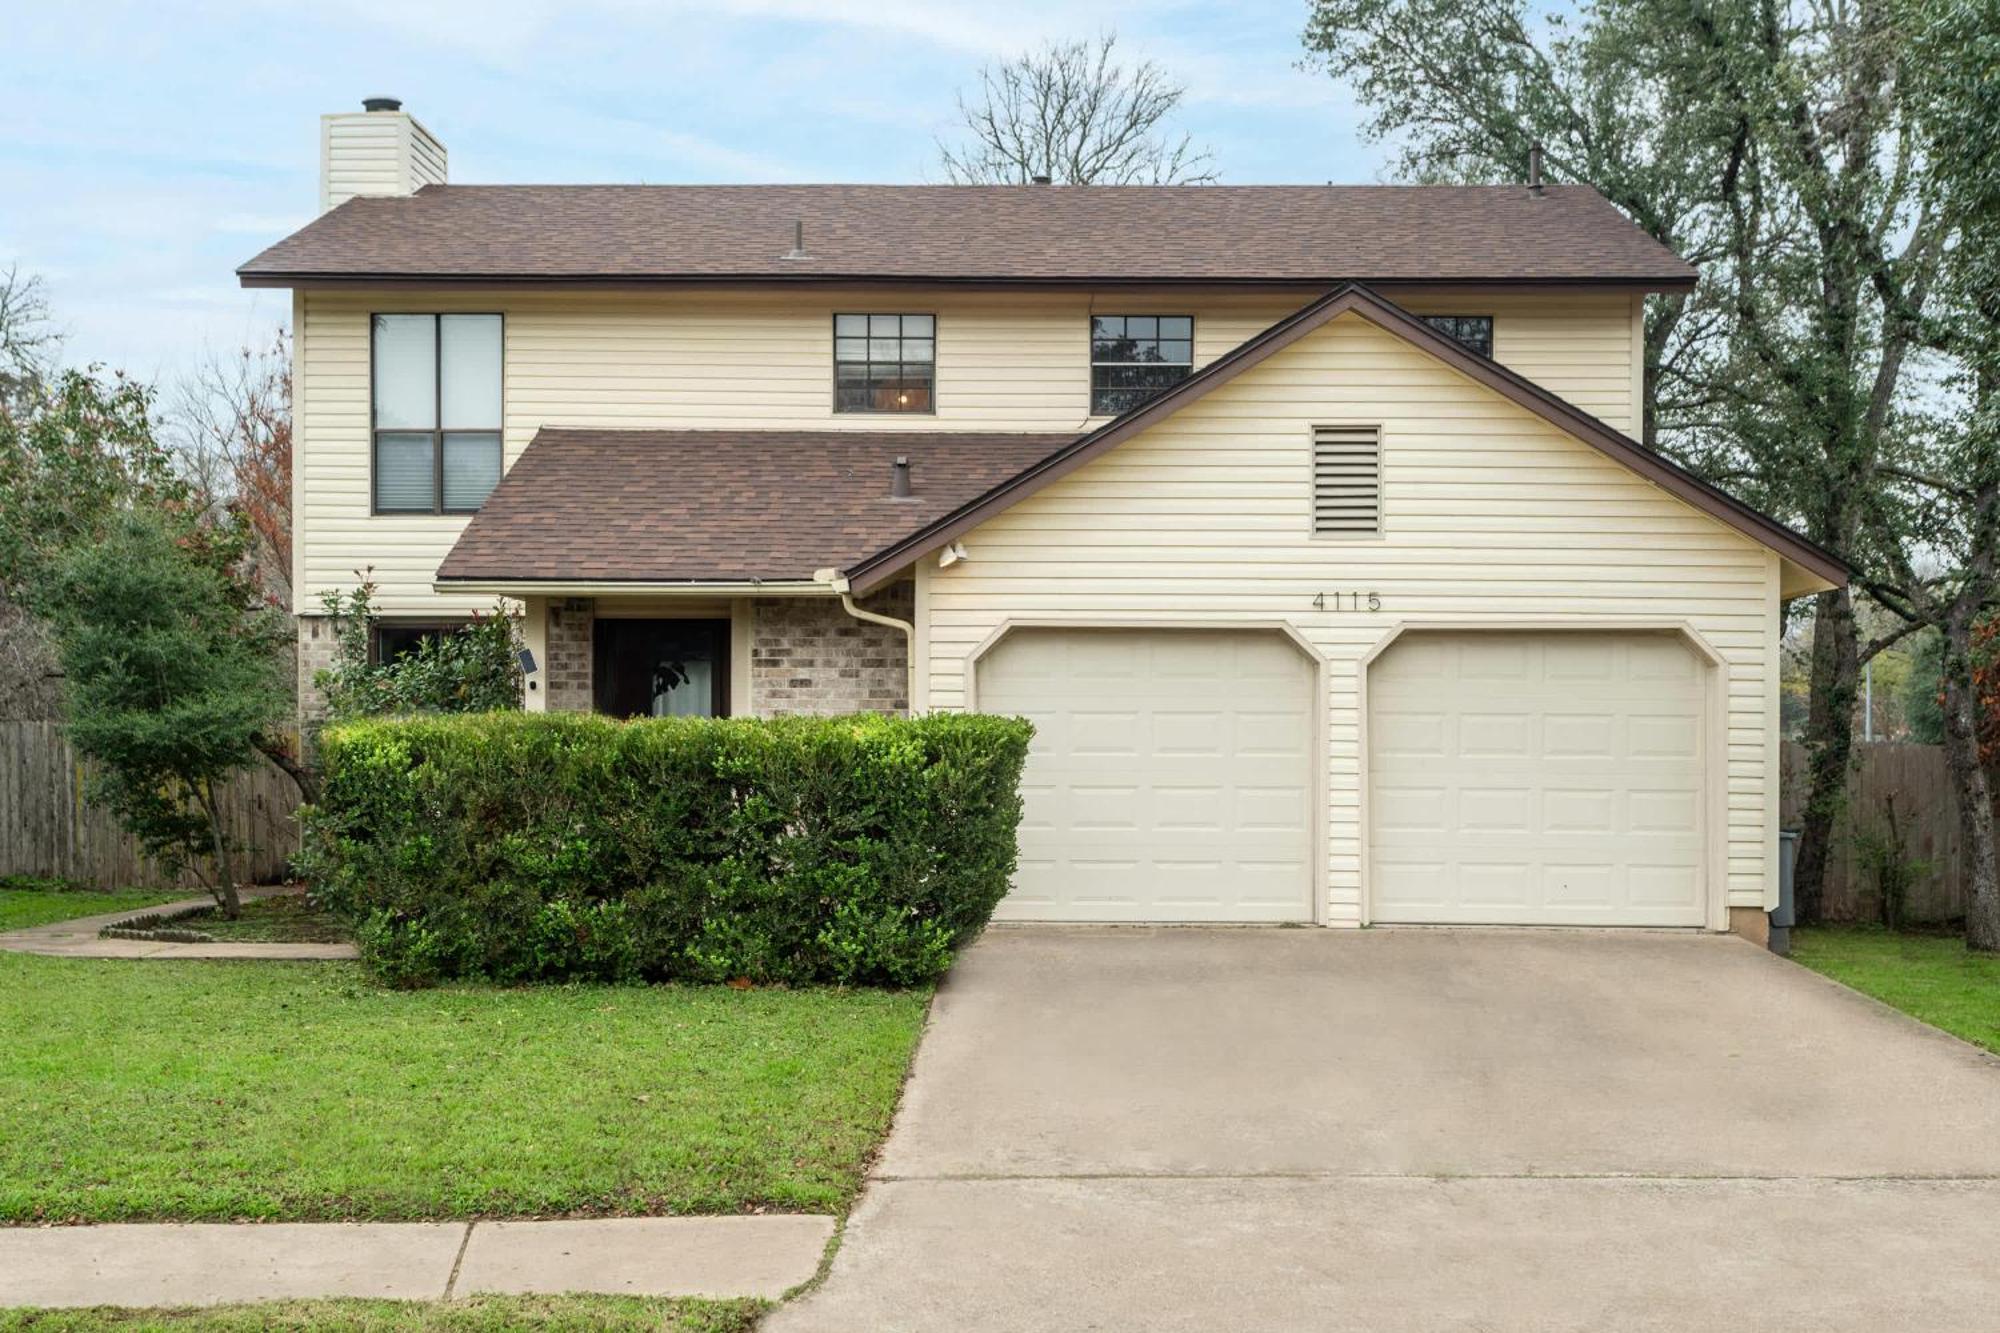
(471, 468)
(469, 363)
(1134, 357)
(405, 372)
(403, 482)
(891, 369)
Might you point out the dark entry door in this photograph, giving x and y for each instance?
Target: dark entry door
(662, 668)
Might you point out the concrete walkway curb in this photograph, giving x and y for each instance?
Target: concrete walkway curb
(145, 1264)
(77, 938)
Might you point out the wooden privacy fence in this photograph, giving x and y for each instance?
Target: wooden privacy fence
(1914, 777)
(48, 828)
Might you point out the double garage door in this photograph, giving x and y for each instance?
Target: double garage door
(1531, 778)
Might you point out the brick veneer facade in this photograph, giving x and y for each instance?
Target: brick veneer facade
(567, 673)
(807, 655)
(317, 650)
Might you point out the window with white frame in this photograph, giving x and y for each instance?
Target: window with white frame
(436, 412)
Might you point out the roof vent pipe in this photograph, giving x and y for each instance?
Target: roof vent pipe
(1041, 180)
(1535, 170)
(381, 104)
(899, 479)
(798, 250)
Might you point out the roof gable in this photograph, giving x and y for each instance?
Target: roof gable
(1360, 301)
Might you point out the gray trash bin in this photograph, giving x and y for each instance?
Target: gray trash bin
(1783, 917)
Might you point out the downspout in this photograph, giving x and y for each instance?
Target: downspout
(837, 581)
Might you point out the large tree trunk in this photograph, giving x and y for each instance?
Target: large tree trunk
(1971, 789)
(1829, 745)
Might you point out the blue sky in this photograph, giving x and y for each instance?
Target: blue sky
(147, 149)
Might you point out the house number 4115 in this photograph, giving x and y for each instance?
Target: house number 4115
(1347, 601)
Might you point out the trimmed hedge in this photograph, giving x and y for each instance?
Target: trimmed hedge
(554, 846)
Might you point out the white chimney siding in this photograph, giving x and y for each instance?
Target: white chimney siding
(375, 152)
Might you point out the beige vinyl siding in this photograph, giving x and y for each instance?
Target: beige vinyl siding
(693, 359)
(1489, 515)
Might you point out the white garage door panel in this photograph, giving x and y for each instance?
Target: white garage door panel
(1170, 777)
(1548, 779)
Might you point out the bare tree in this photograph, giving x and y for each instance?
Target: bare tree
(30, 347)
(30, 343)
(1070, 113)
(231, 425)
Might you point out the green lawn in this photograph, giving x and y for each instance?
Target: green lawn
(135, 1090)
(481, 1314)
(1930, 977)
(36, 902)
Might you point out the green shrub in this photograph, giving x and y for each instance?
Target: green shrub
(540, 847)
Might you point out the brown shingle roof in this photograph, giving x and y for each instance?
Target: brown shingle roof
(674, 506)
(955, 233)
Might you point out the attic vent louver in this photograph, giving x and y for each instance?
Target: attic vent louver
(1347, 480)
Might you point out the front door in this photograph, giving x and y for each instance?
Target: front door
(662, 668)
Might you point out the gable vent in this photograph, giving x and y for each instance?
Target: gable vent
(1347, 479)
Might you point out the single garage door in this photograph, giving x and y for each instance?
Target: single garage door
(1171, 775)
(1536, 779)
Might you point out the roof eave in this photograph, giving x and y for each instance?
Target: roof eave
(486, 585)
(276, 278)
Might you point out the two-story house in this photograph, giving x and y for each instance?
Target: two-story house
(1305, 522)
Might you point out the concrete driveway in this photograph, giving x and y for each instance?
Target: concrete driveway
(1384, 1130)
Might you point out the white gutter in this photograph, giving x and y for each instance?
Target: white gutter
(837, 582)
(530, 588)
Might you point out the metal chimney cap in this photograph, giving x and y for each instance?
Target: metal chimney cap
(381, 104)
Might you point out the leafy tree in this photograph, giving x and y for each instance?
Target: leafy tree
(1933, 524)
(168, 684)
(71, 468)
(1921, 704)
(474, 669)
(1070, 113)
(74, 468)
(1771, 144)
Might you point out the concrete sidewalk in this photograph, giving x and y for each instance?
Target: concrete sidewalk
(174, 1264)
(77, 938)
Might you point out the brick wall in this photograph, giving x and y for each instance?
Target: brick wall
(317, 649)
(567, 673)
(807, 655)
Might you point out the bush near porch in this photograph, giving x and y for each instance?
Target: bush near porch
(542, 847)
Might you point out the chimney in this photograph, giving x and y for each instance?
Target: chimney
(1535, 170)
(380, 149)
(899, 479)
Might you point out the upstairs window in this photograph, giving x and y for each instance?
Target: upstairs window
(436, 386)
(1474, 331)
(1133, 357)
(884, 363)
